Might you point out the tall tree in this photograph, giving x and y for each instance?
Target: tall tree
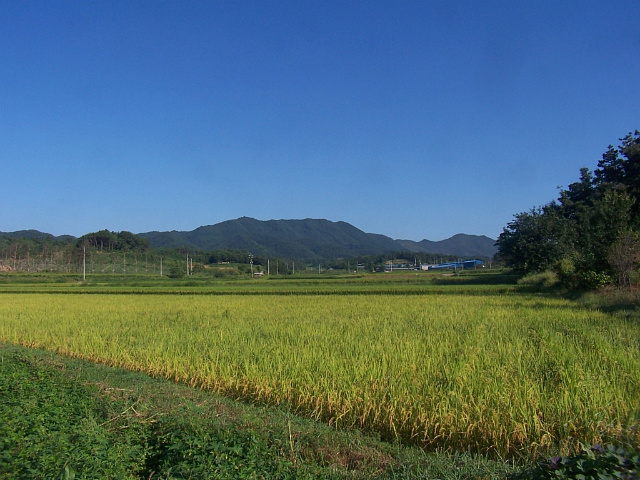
(536, 240)
(621, 167)
(584, 234)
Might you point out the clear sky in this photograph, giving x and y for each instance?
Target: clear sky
(413, 119)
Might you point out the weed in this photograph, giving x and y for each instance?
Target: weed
(591, 463)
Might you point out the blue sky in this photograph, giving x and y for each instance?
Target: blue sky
(413, 119)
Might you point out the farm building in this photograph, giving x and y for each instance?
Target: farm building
(454, 265)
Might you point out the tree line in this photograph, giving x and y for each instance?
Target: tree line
(124, 252)
(589, 235)
(113, 241)
(36, 252)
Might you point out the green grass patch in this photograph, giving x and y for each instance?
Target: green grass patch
(51, 423)
(67, 418)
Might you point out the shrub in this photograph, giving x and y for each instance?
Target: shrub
(595, 462)
(566, 269)
(592, 280)
(546, 279)
(177, 270)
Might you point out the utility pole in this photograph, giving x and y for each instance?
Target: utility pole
(84, 263)
(251, 263)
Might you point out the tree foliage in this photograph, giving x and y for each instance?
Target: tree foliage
(229, 255)
(624, 256)
(587, 234)
(114, 241)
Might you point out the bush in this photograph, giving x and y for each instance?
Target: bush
(566, 269)
(592, 463)
(177, 270)
(592, 280)
(546, 279)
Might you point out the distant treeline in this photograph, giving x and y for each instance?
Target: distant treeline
(102, 251)
(125, 252)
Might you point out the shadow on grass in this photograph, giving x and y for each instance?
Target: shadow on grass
(624, 303)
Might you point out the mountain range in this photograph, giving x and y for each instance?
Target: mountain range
(307, 239)
(311, 239)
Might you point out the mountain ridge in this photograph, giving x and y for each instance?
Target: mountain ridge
(36, 235)
(304, 239)
(458, 244)
(311, 239)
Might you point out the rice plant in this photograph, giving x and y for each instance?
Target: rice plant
(505, 374)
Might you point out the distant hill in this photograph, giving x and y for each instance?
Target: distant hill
(307, 240)
(460, 244)
(310, 239)
(37, 235)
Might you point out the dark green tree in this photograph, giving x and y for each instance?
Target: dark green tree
(621, 167)
(582, 235)
(102, 240)
(536, 240)
(110, 241)
(600, 224)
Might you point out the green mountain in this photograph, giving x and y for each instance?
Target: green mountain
(309, 239)
(36, 235)
(306, 240)
(460, 244)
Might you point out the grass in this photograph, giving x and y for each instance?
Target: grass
(465, 363)
(311, 284)
(493, 372)
(68, 418)
(52, 423)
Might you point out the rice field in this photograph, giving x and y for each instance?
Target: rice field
(493, 372)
